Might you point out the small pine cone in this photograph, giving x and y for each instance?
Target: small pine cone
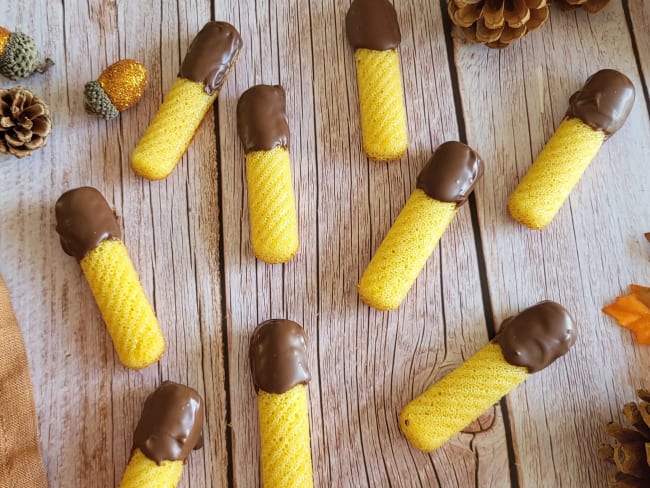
(24, 122)
(631, 450)
(497, 23)
(591, 6)
(19, 56)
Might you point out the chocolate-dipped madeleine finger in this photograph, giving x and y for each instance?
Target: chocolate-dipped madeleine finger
(526, 343)
(209, 60)
(278, 359)
(170, 427)
(595, 113)
(89, 231)
(443, 185)
(373, 32)
(264, 131)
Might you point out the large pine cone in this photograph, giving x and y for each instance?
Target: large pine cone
(590, 6)
(24, 122)
(497, 23)
(631, 452)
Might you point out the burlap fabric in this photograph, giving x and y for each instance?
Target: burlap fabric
(21, 464)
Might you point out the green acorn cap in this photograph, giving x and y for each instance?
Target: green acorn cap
(20, 58)
(97, 101)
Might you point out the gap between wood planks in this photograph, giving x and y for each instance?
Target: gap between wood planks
(230, 476)
(635, 49)
(488, 314)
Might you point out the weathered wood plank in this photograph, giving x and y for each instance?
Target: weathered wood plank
(513, 100)
(366, 365)
(639, 12)
(88, 403)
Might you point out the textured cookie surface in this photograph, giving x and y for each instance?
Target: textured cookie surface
(284, 438)
(273, 221)
(142, 472)
(555, 172)
(381, 103)
(405, 250)
(166, 139)
(459, 398)
(128, 315)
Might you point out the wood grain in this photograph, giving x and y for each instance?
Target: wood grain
(88, 403)
(189, 239)
(589, 254)
(639, 15)
(366, 364)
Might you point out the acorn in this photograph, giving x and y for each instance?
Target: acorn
(120, 86)
(19, 56)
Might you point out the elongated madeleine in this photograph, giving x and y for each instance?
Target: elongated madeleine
(89, 231)
(209, 60)
(444, 183)
(278, 359)
(596, 112)
(373, 32)
(525, 344)
(263, 128)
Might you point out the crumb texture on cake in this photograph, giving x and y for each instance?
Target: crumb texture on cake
(459, 398)
(381, 104)
(405, 250)
(142, 472)
(166, 139)
(273, 221)
(129, 317)
(555, 172)
(284, 437)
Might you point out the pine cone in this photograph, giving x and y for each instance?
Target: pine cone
(497, 23)
(591, 6)
(631, 452)
(24, 122)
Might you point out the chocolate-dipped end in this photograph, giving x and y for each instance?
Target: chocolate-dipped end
(537, 336)
(372, 24)
(278, 356)
(84, 220)
(211, 55)
(451, 173)
(604, 102)
(171, 423)
(262, 122)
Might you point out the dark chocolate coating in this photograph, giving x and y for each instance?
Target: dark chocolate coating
(278, 356)
(451, 173)
(84, 220)
(372, 24)
(171, 423)
(262, 118)
(537, 336)
(604, 102)
(211, 55)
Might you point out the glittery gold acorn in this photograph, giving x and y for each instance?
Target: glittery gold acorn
(120, 86)
(19, 56)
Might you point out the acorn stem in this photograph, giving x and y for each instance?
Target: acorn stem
(47, 64)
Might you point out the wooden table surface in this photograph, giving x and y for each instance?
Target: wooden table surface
(189, 240)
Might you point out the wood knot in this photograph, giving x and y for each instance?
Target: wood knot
(482, 424)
